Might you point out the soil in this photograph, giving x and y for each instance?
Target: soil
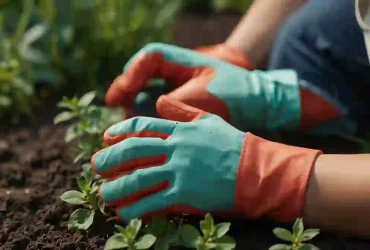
(36, 167)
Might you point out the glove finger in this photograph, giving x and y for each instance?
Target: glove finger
(150, 204)
(134, 186)
(194, 93)
(171, 109)
(129, 155)
(139, 127)
(153, 61)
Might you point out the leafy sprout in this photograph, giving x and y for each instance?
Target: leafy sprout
(298, 237)
(87, 196)
(127, 238)
(90, 123)
(213, 236)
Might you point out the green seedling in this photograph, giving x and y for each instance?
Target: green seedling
(87, 196)
(127, 238)
(89, 124)
(298, 237)
(166, 231)
(213, 236)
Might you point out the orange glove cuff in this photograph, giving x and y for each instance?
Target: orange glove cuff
(272, 179)
(227, 54)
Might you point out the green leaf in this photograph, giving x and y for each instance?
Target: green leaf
(190, 235)
(81, 219)
(166, 12)
(161, 244)
(74, 197)
(225, 243)
(145, 241)
(116, 241)
(208, 245)
(283, 234)
(138, 17)
(280, 247)
(5, 101)
(309, 234)
(308, 247)
(87, 173)
(80, 156)
(86, 99)
(67, 103)
(95, 187)
(298, 227)
(63, 117)
(158, 225)
(82, 184)
(222, 229)
(71, 133)
(120, 229)
(101, 204)
(207, 225)
(136, 225)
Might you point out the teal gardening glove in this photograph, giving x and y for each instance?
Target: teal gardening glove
(196, 162)
(247, 99)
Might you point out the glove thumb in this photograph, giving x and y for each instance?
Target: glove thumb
(175, 110)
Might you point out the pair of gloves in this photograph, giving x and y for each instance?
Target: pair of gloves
(197, 158)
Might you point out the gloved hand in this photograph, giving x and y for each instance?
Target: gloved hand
(144, 103)
(225, 53)
(195, 162)
(248, 99)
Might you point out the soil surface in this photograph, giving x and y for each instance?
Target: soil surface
(36, 167)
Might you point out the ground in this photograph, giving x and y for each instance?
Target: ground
(36, 168)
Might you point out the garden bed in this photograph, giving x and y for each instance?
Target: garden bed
(36, 167)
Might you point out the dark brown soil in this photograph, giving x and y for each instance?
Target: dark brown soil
(36, 168)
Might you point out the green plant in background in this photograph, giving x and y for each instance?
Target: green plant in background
(73, 45)
(16, 84)
(165, 230)
(82, 218)
(298, 237)
(88, 42)
(213, 236)
(90, 123)
(127, 237)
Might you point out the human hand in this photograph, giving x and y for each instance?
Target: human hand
(247, 99)
(159, 166)
(194, 162)
(144, 103)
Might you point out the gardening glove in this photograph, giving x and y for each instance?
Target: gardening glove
(195, 162)
(247, 99)
(225, 53)
(144, 103)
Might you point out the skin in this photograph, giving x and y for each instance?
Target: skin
(256, 31)
(338, 194)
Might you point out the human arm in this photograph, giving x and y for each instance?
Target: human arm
(338, 194)
(255, 33)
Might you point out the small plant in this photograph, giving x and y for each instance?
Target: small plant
(90, 123)
(82, 218)
(297, 238)
(166, 231)
(213, 236)
(127, 238)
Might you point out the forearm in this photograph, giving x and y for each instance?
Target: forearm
(255, 33)
(338, 194)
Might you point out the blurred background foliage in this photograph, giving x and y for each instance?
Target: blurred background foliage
(79, 45)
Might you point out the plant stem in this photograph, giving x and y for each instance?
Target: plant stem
(24, 20)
